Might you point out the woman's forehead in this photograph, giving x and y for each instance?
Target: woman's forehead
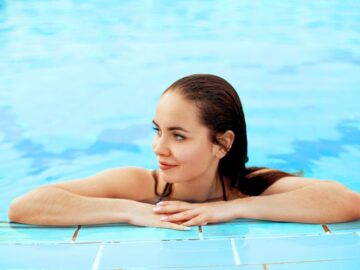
(173, 109)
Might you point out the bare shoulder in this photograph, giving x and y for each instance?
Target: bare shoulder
(290, 183)
(128, 183)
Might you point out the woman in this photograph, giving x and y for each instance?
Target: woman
(201, 146)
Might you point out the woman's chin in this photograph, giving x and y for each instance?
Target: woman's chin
(166, 177)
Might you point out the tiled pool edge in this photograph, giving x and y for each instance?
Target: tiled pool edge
(121, 232)
(232, 243)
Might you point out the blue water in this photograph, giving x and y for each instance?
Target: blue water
(79, 81)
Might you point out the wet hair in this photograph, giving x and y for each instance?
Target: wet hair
(220, 110)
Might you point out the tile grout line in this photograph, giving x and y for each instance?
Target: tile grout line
(200, 232)
(76, 233)
(95, 265)
(235, 252)
(326, 229)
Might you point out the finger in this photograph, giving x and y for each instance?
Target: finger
(198, 220)
(171, 208)
(174, 226)
(168, 202)
(185, 215)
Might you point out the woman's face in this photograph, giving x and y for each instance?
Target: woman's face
(181, 142)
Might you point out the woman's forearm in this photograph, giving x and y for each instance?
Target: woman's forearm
(55, 206)
(323, 202)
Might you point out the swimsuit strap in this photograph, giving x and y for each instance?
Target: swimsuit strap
(223, 188)
(167, 189)
(156, 181)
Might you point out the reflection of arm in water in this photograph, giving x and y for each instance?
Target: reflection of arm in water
(290, 199)
(108, 197)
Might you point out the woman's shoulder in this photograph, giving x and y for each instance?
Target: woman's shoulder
(144, 182)
(259, 179)
(139, 182)
(269, 181)
(133, 175)
(132, 183)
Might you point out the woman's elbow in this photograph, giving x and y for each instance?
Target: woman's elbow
(355, 205)
(349, 201)
(20, 209)
(352, 199)
(25, 208)
(15, 210)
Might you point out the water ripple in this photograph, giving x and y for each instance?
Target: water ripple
(308, 152)
(108, 140)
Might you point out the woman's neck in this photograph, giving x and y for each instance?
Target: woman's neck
(204, 188)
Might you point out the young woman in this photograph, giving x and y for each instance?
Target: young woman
(201, 146)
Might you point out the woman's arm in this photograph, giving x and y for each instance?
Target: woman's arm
(95, 199)
(320, 202)
(111, 196)
(55, 206)
(314, 202)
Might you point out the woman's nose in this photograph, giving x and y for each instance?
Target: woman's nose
(160, 147)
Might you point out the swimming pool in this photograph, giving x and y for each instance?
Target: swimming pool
(79, 82)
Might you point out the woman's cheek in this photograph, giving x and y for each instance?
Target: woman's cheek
(183, 155)
(189, 155)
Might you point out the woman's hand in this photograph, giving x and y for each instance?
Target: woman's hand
(192, 214)
(142, 214)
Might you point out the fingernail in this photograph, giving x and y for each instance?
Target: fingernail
(163, 218)
(156, 208)
(186, 228)
(160, 203)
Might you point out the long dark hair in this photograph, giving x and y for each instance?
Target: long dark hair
(221, 110)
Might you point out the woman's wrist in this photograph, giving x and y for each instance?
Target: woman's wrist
(126, 210)
(239, 209)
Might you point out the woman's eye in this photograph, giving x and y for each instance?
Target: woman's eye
(156, 130)
(179, 137)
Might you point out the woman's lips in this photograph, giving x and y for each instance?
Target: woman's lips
(165, 166)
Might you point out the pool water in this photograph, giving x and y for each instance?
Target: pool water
(79, 81)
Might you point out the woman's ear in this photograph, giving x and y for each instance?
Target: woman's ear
(226, 140)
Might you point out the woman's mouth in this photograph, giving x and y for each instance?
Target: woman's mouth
(165, 166)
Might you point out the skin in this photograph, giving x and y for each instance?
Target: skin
(127, 194)
(194, 179)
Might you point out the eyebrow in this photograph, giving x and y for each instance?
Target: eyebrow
(172, 128)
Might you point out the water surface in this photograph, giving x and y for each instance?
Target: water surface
(79, 82)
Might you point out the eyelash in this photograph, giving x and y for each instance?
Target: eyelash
(175, 135)
(156, 129)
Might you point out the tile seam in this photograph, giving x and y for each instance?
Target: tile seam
(76, 233)
(326, 229)
(96, 262)
(235, 252)
(312, 261)
(200, 233)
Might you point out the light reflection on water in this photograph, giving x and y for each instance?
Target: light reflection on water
(79, 82)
